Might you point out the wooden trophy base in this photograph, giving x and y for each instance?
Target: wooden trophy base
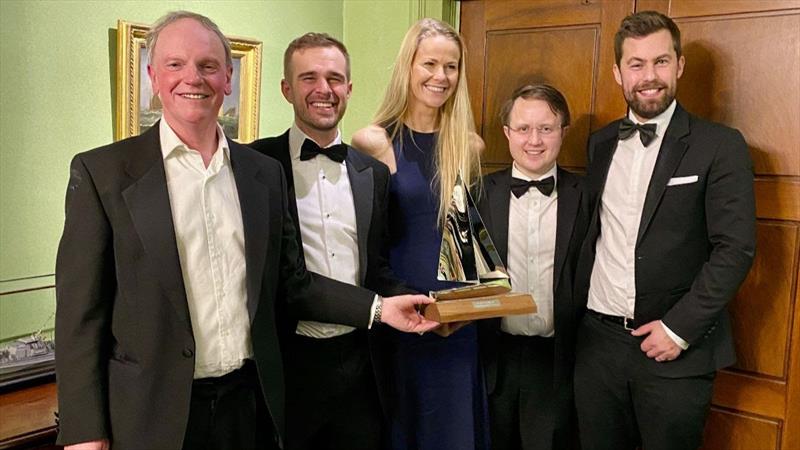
(455, 307)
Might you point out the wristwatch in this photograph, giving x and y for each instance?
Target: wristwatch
(376, 317)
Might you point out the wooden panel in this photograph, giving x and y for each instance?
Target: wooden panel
(738, 74)
(505, 15)
(473, 31)
(732, 431)
(535, 56)
(761, 312)
(777, 198)
(792, 433)
(28, 415)
(745, 392)
(690, 8)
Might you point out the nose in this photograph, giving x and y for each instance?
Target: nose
(322, 86)
(534, 138)
(192, 75)
(439, 74)
(649, 72)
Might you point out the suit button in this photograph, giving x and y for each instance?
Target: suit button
(187, 352)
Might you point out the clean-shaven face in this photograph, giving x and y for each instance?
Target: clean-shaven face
(534, 136)
(318, 89)
(189, 74)
(434, 71)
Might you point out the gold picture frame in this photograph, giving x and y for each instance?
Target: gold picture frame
(238, 115)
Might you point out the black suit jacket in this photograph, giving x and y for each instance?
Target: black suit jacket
(570, 230)
(125, 361)
(369, 183)
(696, 241)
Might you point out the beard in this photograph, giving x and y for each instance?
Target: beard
(649, 108)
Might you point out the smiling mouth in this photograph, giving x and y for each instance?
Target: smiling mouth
(435, 89)
(650, 91)
(534, 152)
(195, 96)
(323, 105)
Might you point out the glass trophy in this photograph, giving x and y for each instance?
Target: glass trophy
(468, 255)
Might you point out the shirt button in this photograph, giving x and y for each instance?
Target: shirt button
(188, 353)
(327, 215)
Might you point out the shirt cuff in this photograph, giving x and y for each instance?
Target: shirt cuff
(372, 311)
(675, 338)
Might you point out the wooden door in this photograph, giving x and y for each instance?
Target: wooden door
(743, 70)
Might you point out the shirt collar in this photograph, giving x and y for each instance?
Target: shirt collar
(170, 141)
(297, 137)
(516, 173)
(662, 120)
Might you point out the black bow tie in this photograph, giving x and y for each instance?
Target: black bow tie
(647, 131)
(310, 150)
(520, 186)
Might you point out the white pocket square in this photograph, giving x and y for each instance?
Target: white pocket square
(682, 180)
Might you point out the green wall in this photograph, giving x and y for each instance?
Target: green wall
(56, 99)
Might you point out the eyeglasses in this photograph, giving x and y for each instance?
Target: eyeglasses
(542, 130)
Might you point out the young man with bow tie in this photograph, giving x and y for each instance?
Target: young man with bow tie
(671, 238)
(339, 198)
(532, 211)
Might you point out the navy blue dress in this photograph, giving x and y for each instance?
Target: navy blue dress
(439, 399)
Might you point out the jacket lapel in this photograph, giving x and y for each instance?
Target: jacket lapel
(499, 191)
(568, 200)
(147, 199)
(254, 201)
(362, 187)
(669, 156)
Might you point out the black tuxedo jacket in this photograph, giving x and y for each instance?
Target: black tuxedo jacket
(369, 183)
(696, 241)
(570, 230)
(125, 360)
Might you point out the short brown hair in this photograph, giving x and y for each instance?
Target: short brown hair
(173, 16)
(548, 94)
(643, 24)
(314, 40)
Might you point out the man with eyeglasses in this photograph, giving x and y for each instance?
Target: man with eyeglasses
(532, 211)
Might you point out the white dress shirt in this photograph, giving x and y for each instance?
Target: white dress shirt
(210, 236)
(612, 287)
(531, 256)
(327, 219)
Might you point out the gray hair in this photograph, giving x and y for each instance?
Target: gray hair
(174, 16)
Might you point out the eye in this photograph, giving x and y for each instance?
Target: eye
(662, 61)
(524, 129)
(546, 129)
(428, 64)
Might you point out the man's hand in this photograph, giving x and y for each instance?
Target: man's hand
(400, 312)
(658, 345)
(102, 444)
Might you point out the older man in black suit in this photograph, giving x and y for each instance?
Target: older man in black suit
(533, 212)
(177, 249)
(671, 238)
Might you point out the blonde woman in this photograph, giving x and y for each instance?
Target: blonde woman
(424, 132)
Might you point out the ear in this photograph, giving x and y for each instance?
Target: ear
(507, 132)
(564, 131)
(681, 64)
(617, 74)
(286, 90)
(152, 75)
(228, 77)
(349, 88)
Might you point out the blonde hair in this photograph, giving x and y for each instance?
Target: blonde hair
(454, 155)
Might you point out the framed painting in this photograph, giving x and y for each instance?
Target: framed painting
(137, 108)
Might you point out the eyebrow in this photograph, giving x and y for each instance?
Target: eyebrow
(637, 59)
